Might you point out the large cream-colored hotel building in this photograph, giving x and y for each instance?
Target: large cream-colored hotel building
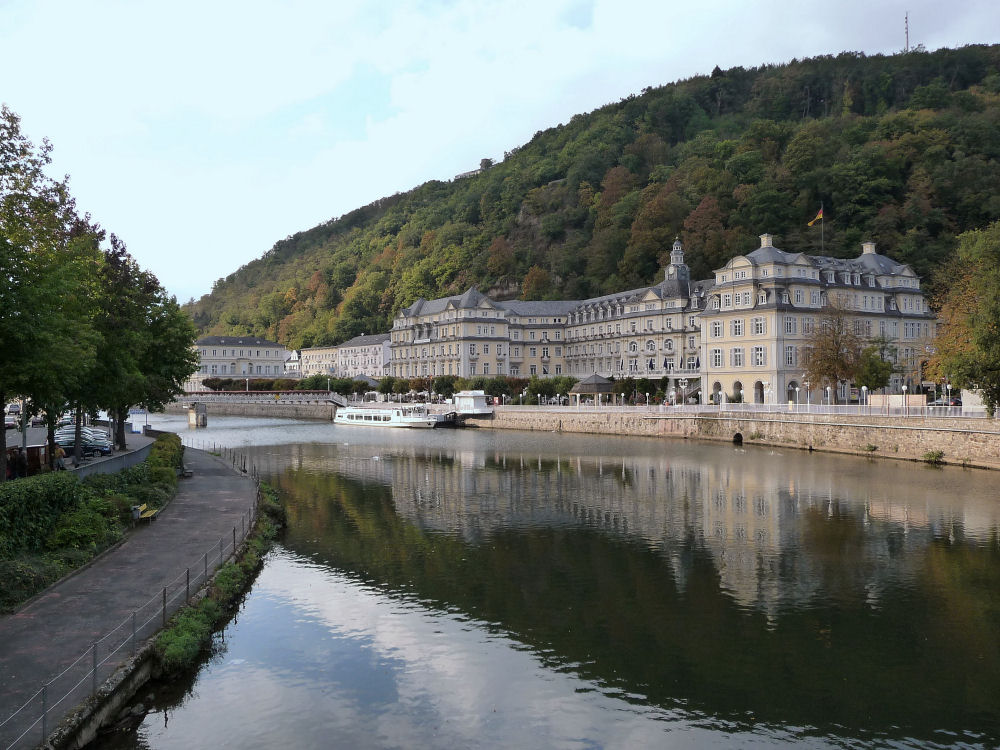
(737, 336)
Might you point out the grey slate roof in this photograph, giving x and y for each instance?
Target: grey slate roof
(235, 341)
(371, 339)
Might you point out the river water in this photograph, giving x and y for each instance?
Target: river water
(472, 588)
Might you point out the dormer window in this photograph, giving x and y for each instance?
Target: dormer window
(762, 298)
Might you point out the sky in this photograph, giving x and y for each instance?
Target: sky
(201, 133)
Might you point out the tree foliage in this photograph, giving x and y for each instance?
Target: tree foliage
(968, 342)
(902, 149)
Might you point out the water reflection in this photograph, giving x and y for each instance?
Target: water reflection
(650, 587)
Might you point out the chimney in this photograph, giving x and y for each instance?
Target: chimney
(868, 248)
(765, 240)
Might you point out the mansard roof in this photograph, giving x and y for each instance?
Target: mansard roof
(371, 339)
(538, 307)
(470, 299)
(235, 341)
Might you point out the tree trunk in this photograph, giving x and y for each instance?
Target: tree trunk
(78, 435)
(3, 442)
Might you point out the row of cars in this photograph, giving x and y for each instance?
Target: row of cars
(93, 442)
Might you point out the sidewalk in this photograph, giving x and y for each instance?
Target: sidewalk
(47, 635)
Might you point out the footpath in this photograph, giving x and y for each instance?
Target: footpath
(37, 643)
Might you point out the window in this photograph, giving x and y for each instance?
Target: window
(668, 364)
(758, 326)
(762, 298)
(533, 369)
(716, 357)
(790, 359)
(716, 329)
(486, 348)
(692, 363)
(790, 324)
(633, 347)
(650, 346)
(736, 357)
(759, 356)
(736, 327)
(533, 351)
(690, 342)
(545, 352)
(808, 325)
(668, 345)
(727, 300)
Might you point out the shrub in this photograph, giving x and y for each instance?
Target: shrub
(30, 509)
(90, 527)
(167, 451)
(180, 645)
(934, 457)
(163, 475)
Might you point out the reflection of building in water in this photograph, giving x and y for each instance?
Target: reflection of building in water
(766, 522)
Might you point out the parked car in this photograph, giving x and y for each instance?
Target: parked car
(9, 422)
(92, 442)
(13, 408)
(953, 401)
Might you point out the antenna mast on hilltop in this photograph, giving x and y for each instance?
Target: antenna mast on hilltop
(906, 27)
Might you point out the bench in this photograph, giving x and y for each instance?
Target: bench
(144, 513)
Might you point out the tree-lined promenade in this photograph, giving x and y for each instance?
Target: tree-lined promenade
(82, 326)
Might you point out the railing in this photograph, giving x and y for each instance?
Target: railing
(750, 409)
(30, 724)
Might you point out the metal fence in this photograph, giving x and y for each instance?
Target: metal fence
(30, 724)
(749, 409)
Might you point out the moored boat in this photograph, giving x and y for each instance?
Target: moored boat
(402, 415)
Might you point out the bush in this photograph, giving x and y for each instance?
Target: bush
(30, 509)
(934, 457)
(167, 451)
(163, 475)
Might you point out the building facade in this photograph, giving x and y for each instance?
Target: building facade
(740, 336)
(765, 306)
(318, 360)
(365, 355)
(235, 357)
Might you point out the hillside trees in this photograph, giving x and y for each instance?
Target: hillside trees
(902, 149)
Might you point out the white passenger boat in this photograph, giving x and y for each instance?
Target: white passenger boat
(402, 415)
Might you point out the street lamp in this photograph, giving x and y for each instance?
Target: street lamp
(808, 394)
(904, 400)
(328, 385)
(828, 401)
(248, 384)
(647, 400)
(539, 399)
(796, 398)
(948, 386)
(864, 395)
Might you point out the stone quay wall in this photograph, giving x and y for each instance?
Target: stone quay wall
(282, 410)
(963, 441)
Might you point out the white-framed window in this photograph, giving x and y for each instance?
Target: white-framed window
(790, 358)
(650, 346)
(716, 358)
(736, 357)
(727, 300)
(790, 324)
(633, 346)
(762, 298)
(736, 327)
(758, 326)
(532, 369)
(716, 329)
(668, 345)
(690, 342)
(759, 356)
(692, 363)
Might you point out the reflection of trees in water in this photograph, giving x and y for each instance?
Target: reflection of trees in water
(915, 647)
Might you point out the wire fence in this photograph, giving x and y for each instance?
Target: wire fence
(31, 723)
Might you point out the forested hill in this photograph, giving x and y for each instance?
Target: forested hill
(902, 149)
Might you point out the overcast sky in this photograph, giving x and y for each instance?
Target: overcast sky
(203, 132)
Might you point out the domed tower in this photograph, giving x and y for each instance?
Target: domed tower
(677, 270)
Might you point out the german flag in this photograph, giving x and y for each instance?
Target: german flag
(819, 216)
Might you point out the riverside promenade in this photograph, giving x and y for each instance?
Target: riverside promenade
(101, 613)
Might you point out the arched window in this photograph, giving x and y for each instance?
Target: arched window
(633, 347)
(650, 346)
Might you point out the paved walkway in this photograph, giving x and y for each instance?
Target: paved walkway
(47, 635)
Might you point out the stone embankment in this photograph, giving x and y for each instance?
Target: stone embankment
(964, 441)
(961, 440)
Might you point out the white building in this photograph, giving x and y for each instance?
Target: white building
(237, 357)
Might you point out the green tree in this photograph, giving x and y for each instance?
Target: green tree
(873, 370)
(833, 350)
(968, 340)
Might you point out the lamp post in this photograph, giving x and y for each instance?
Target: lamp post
(248, 384)
(948, 387)
(683, 383)
(904, 400)
(864, 395)
(328, 385)
(808, 394)
(647, 400)
(796, 398)
(828, 401)
(673, 397)
(539, 399)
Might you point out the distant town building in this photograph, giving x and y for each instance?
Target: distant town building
(738, 336)
(319, 360)
(236, 357)
(764, 307)
(293, 365)
(364, 356)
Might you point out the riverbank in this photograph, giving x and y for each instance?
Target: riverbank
(963, 441)
(101, 615)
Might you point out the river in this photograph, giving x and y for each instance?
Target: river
(491, 589)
